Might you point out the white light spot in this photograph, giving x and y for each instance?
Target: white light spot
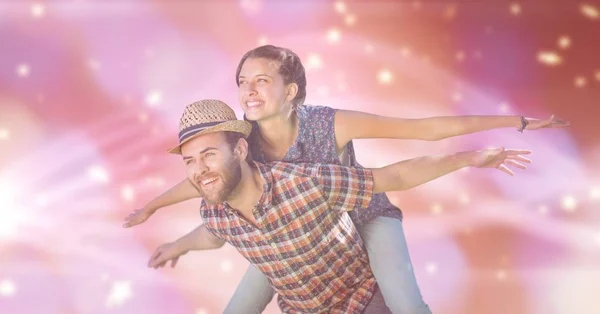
(23, 70)
(450, 12)
(37, 10)
(333, 35)
(10, 215)
(128, 193)
(504, 108)
(143, 117)
(153, 98)
(595, 192)
(564, 42)
(201, 311)
(549, 58)
(385, 77)
(569, 203)
(262, 40)
(501, 274)
(464, 198)
(98, 174)
(340, 7)
(515, 9)
(369, 48)
(7, 288)
(314, 61)
(350, 19)
(226, 266)
(437, 209)
(251, 6)
(431, 268)
(589, 11)
(405, 52)
(580, 81)
(119, 293)
(4, 134)
(155, 182)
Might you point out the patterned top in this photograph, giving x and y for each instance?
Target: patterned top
(316, 144)
(305, 242)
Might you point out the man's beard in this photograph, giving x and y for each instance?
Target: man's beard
(230, 178)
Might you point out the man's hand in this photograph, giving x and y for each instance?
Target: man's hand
(137, 217)
(499, 158)
(165, 253)
(551, 122)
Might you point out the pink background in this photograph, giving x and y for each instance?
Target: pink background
(91, 93)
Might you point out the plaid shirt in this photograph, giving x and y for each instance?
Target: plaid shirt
(306, 243)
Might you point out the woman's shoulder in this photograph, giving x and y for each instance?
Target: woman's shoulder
(312, 114)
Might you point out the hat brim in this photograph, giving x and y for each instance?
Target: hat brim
(238, 126)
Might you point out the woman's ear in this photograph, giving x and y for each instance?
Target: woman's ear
(292, 91)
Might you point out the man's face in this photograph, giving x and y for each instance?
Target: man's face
(262, 91)
(211, 166)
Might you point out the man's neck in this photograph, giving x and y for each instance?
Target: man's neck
(249, 191)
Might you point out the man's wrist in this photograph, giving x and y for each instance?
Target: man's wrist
(148, 208)
(468, 158)
(183, 244)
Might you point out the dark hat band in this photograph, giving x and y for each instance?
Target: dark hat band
(194, 129)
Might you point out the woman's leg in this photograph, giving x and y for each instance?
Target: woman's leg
(252, 295)
(390, 262)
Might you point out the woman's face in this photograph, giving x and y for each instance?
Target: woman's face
(262, 91)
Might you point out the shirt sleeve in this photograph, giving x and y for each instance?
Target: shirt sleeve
(346, 188)
(204, 213)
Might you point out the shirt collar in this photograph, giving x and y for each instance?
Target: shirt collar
(267, 177)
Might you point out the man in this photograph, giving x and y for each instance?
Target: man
(290, 221)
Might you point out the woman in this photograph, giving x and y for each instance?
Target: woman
(272, 90)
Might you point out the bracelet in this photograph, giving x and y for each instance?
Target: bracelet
(524, 124)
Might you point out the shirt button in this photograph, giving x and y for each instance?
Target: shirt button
(300, 282)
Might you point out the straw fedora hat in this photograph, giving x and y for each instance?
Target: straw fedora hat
(208, 116)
